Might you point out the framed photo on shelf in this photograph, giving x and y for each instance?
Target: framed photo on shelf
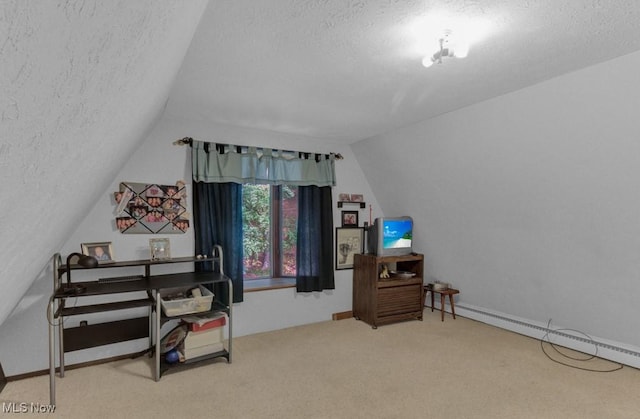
(344, 197)
(357, 197)
(350, 218)
(349, 241)
(160, 249)
(103, 251)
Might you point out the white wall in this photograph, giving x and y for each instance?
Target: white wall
(24, 335)
(82, 84)
(529, 202)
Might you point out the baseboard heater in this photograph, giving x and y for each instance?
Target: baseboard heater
(607, 350)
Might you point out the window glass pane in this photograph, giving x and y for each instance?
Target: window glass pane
(289, 229)
(256, 219)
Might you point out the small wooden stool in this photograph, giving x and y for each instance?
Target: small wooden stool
(443, 293)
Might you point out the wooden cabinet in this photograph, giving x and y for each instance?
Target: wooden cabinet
(379, 301)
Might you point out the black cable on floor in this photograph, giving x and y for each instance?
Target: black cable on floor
(588, 358)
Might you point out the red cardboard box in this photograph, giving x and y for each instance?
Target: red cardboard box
(198, 324)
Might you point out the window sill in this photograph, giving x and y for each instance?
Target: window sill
(268, 284)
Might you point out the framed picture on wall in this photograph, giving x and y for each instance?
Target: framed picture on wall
(349, 241)
(350, 218)
(103, 251)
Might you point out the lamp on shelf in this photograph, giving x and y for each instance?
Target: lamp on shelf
(86, 262)
(448, 46)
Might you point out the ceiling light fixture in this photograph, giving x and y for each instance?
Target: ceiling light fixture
(448, 46)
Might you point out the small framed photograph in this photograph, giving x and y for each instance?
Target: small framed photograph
(103, 251)
(350, 218)
(160, 249)
(344, 197)
(357, 197)
(349, 241)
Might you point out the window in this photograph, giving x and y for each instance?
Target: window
(269, 217)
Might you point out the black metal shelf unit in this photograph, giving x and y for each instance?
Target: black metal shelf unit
(93, 335)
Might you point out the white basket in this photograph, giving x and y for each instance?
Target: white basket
(439, 286)
(189, 305)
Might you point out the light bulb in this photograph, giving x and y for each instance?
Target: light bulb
(461, 50)
(427, 61)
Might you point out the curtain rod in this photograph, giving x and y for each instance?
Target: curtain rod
(189, 141)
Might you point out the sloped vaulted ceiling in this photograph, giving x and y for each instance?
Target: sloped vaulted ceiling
(348, 70)
(81, 84)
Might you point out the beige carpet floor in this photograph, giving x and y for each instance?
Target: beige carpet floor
(345, 369)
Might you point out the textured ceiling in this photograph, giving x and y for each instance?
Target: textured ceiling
(350, 69)
(81, 85)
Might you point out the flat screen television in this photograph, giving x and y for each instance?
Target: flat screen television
(390, 236)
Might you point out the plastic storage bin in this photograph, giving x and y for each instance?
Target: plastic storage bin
(188, 305)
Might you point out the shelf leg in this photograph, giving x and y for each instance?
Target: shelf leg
(230, 339)
(157, 335)
(61, 343)
(150, 330)
(52, 353)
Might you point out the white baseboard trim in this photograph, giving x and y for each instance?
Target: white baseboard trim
(614, 351)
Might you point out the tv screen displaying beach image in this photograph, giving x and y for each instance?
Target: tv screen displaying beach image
(397, 233)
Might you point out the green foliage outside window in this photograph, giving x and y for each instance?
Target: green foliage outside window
(256, 219)
(258, 236)
(289, 232)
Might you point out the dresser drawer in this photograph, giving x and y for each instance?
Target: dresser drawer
(401, 299)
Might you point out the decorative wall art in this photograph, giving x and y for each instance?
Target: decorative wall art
(350, 218)
(151, 208)
(349, 241)
(354, 197)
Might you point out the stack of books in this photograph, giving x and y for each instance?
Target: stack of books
(205, 335)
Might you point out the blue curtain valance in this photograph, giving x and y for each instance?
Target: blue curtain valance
(220, 163)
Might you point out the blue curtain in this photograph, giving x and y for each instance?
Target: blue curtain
(314, 250)
(217, 219)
